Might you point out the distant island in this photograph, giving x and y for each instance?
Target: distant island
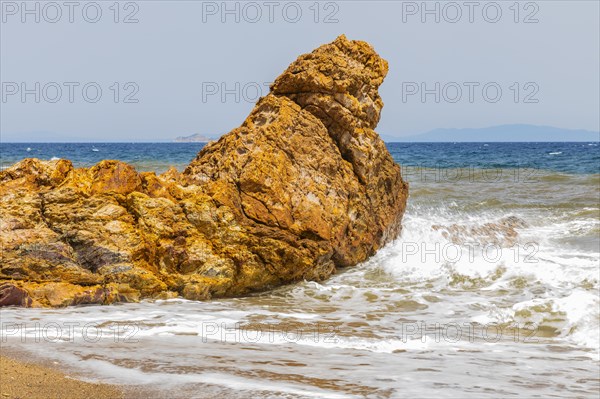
(194, 138)
(505, 133)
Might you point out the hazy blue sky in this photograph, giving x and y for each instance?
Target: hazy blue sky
(179, 53)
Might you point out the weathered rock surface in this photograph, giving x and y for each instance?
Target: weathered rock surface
(302, 187)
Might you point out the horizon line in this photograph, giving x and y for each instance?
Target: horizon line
(206, 142)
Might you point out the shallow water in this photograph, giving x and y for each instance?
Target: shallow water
(491, 291)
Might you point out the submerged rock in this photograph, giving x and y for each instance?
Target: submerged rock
(302, 187)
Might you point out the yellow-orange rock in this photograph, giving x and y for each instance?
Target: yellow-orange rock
(302, 187)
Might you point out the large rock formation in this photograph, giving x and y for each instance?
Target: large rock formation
(302, 187)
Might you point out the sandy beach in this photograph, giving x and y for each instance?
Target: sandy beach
(21, 379)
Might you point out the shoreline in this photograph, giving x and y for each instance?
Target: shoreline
(32, 379)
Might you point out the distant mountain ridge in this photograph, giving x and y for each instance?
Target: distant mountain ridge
(505, 133)
(501, 133)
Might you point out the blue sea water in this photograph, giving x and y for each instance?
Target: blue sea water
(565, 157)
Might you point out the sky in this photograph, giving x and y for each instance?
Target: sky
(155, 70)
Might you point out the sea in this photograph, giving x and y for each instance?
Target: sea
(492, 290)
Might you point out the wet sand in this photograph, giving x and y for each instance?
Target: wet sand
(22, 379)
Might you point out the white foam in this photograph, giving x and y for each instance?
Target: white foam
(556, 272)
(582, 309)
